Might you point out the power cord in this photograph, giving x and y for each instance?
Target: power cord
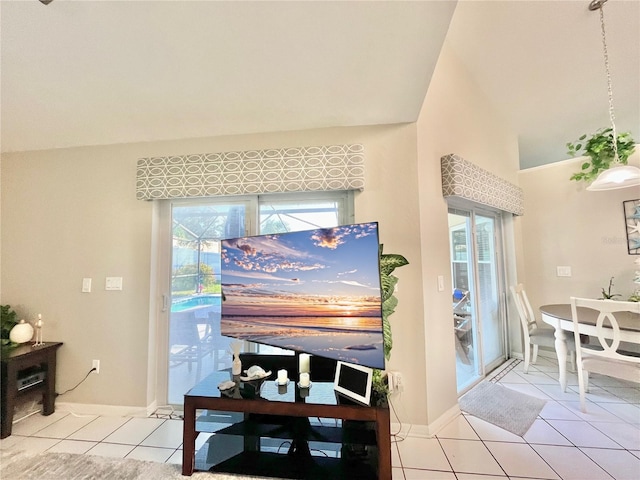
(286, 442)
(396, 436)
(161, 412)
(78, 384)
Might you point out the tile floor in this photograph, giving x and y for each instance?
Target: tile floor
(563, 443)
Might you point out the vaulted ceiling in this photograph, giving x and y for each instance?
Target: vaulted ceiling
(101, 72)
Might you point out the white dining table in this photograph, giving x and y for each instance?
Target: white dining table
(560, 318)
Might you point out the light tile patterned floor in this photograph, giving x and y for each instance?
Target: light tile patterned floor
(563, 443)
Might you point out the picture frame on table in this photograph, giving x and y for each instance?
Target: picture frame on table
(354, 382)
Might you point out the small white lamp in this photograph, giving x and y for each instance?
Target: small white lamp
(22, 332)
(622, 176)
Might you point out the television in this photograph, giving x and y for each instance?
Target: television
(313, 291)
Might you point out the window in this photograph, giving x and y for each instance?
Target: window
(195, 344)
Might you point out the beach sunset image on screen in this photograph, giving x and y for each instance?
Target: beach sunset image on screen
(315, 291)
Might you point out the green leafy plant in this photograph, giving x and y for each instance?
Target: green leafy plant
(607, 295)
(599, 148)
(388, 263)
(7, 321)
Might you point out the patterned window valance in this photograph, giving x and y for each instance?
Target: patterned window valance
(299, 169)
(463, 179)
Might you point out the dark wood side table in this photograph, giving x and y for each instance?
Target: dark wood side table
(28, 369)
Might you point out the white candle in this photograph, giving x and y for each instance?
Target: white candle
(282, 377)
(304, 380)
(304, 363)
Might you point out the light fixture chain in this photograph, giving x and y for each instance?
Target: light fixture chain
(612, 116)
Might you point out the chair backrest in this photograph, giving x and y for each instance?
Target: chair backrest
(460, 308)
(183, 329)
(525, 312)
(602, 321)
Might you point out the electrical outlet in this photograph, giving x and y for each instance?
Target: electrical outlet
(113, 283)
(394, 379)
(397, 380)
(96, 365)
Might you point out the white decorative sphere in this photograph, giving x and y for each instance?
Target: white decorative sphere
(21, 332)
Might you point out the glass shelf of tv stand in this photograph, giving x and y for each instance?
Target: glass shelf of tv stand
(212, 421)
(320, 393)
(273, 440)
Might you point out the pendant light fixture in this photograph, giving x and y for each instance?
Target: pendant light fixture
(619, 175)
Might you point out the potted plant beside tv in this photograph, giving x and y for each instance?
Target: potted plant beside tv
(7, 322)
(599, 149)
(388, 263)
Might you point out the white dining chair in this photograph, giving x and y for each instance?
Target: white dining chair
(534, 333)
(603, 354)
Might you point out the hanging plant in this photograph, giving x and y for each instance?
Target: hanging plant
(599, 148)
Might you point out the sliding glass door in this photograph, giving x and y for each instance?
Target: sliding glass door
(478, 286)
(488, 266)
(195, 347)
(195, 344)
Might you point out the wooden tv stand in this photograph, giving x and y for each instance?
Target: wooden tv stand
(267, 413)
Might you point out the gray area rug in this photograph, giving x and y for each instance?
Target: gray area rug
(16, 465)
(501, 406)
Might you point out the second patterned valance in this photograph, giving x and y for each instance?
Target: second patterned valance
(463, 179)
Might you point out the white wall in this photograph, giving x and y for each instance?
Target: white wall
(72, 213)
(455, 118)
(566, 225)
(69, 214)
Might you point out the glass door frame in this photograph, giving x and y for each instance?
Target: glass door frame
(501, 275)
(471, 210)
(213, 345)
(162, 261)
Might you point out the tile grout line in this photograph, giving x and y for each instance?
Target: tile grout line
(616, 413)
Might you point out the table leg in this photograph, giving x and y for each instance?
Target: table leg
(9, 391)
(383, 434)
(188, 438)
(561, 352)
(49, 394)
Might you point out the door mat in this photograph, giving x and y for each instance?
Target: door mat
(508, 409)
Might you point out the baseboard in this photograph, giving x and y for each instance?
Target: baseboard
(152, 407)
(397, 429)
(444, 419)
(430, 430)
(97, 409)
(400, 429)
(542, 352)
(548, 354)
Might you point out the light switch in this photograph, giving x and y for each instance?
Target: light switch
(441, 283)
(113, 283)
(86, 285)
(563, 271)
